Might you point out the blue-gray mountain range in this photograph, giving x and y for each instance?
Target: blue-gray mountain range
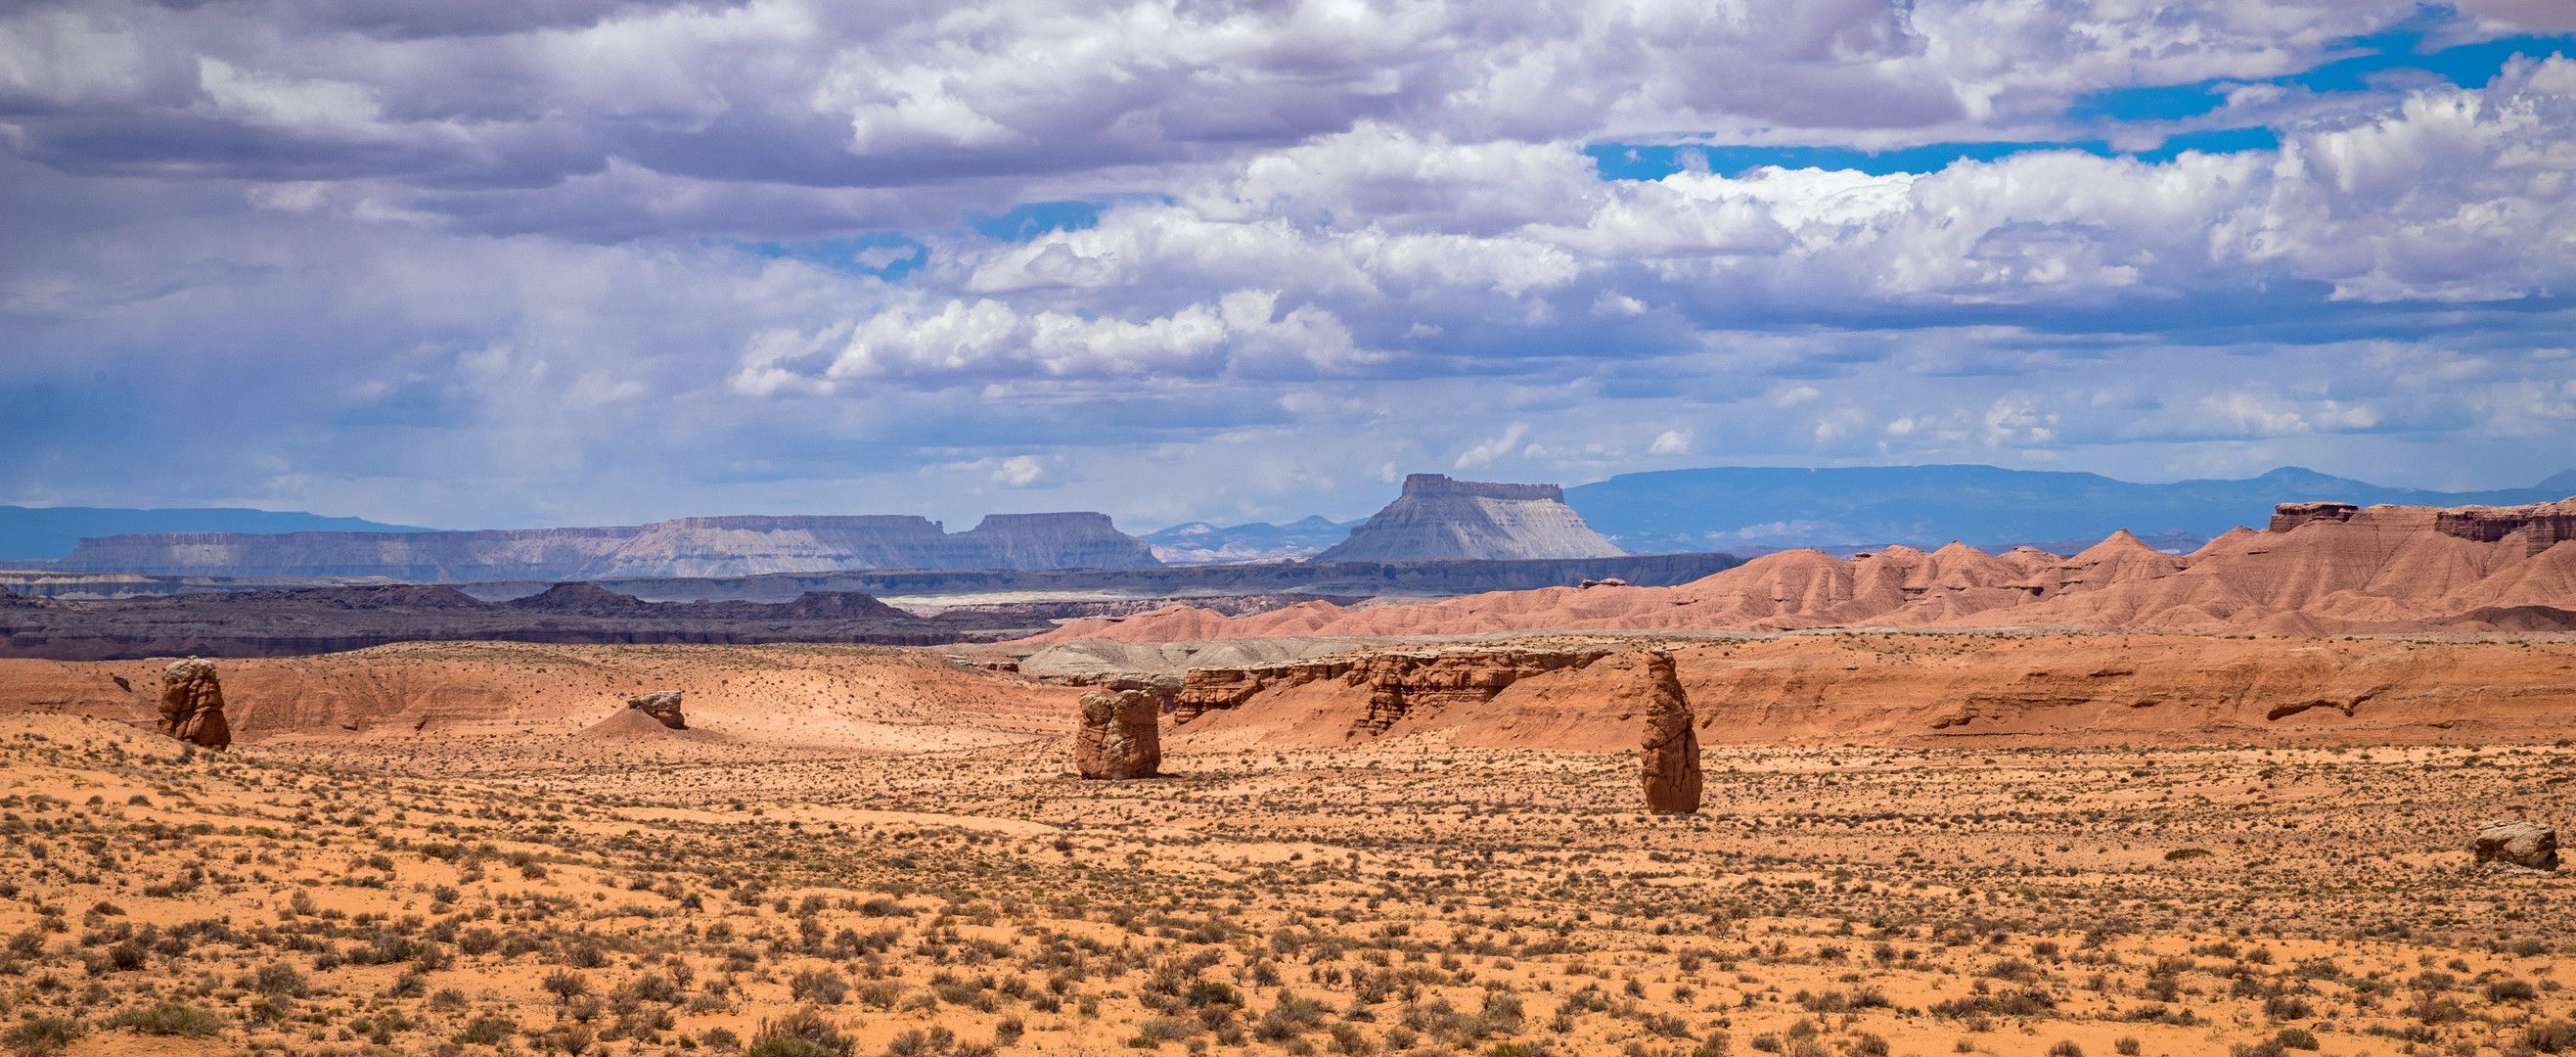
(1752, 510)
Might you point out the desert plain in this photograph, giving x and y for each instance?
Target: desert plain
(1911, 843)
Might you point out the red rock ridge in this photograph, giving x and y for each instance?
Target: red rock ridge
(2322, 569)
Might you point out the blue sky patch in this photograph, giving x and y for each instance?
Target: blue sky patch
(1025, 222)
(888, 255)
(1620, 161)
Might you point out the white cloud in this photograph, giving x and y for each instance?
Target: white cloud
(536, 257)
(1483, 455)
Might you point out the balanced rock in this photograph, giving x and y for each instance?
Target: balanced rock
(663, 705)
(192, 704)
(2516, 843)
(1119, 736)
(1671, 743)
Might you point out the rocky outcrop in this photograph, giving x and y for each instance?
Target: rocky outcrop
(2528, 845)
(1670, 748)
(1119, 737)
(192, 704)
(711, 546)
(662, 705)
(2532, 529)
(1401, 684)
(2287, 516)
(1436, 517)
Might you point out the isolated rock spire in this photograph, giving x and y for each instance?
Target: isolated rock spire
(1671, 744)
(192, 704)
(1119, 737)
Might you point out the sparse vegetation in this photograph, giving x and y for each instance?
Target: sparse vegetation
(1371, 900)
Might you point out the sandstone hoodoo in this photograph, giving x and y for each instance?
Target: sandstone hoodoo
(2512, 842)
(1119, 736)
(1671, 745)
(662, 705)
(1437, 517)
(192, 704)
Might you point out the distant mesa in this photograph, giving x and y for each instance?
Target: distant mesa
(1437, 517)
(708, 546)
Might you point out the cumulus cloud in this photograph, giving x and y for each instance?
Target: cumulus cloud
(601, 260)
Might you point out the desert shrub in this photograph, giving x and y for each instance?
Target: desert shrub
(803, 1032)
(2528, 947)
(41, 1035)
(2511, 991)
(2297, 1039)
(2265, 1048)
(2128, 1046)
(654, 987)
(819, 986)
(1163, 1029)
(565, 985)
(2187, 854)
(277, 979)
(487, 1031)
(720, 1039)
(478, 941)
(447, 1000)
(2286, 1007)
(2550, 1036)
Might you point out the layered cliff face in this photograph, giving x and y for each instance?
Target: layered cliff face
(2321, 569)
(1896, 689)
(714, 546)
(1437, 517)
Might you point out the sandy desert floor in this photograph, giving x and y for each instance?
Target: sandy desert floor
(1406, 896)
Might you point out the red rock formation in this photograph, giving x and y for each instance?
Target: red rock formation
(192, 704)
(663, 706)
(1119, 737)
(1669, 754)
(2539, 526)
(1401, 685)
(1928, 689)
(2322, 569)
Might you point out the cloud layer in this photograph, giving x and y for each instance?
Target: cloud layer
(493, 264)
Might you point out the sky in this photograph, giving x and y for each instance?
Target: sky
(502, 263)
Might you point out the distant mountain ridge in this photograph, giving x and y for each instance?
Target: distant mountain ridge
(1202, 543)
(46, 532)
(713, 546)
(1730, 508)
